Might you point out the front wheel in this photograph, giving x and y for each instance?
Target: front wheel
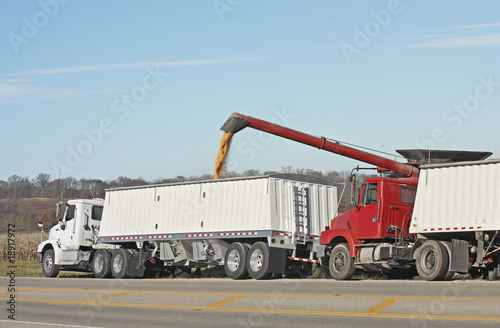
(49, 267)
(341, 263)
(119, 263)
(258, 261)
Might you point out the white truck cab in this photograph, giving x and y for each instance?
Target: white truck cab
(70, 241)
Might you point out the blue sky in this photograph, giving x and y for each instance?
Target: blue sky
(102, 89)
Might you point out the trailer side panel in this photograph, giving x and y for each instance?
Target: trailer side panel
(457, 198)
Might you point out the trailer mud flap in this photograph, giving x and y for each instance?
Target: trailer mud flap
(277, 260)
(459, 256)
(133, 269)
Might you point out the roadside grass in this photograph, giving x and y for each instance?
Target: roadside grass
(34, 269)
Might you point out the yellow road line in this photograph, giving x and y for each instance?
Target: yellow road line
(227, 301)
(106, 297)
(377, 297)
(16, 292)
(359, 314)
(271, 311)
(383, 305)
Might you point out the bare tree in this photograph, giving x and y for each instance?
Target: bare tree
(251, 173)
(3, 189)
(14, 184)
(42, 182)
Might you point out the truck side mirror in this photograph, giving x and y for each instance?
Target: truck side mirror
(352, 180)
(58, 207)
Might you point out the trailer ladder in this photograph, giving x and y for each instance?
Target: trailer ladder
(300, 214)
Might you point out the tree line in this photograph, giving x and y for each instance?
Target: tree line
(42, 186)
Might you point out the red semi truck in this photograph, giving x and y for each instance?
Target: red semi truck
(436, 219)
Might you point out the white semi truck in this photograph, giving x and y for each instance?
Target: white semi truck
(253, 226)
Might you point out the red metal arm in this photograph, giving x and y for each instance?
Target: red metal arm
(237, 121)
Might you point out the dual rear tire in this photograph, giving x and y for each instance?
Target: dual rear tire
(101, 264)
(105, 264)
(241, 262)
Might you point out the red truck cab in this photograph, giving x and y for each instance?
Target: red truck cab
(383, 211)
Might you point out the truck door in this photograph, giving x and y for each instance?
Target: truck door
(91, 224)
(368, 211)
(68, 228)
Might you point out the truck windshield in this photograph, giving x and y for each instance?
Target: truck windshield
(96, 213)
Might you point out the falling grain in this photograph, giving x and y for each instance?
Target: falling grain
(220, 163)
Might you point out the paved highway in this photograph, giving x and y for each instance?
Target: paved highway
(72, 302)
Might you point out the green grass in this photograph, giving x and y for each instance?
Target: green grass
(23, 269)
(34, 269)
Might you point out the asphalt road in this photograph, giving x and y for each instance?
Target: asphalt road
(72, 302)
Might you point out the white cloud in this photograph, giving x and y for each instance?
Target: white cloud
(18, 86)
(14, 90)
(10, 90)
(61, 93)
(460, 42)
(470, 36)
(94, 68)
(477, 26)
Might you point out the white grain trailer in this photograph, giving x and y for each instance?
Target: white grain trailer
(457, 218)
(253, 226)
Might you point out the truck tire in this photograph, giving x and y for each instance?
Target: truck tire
(341, 263)
(258, 261)
(101, 264)
(49, 268)
(235, 261)
(119, 263)
(432, 261)
(449, 273)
